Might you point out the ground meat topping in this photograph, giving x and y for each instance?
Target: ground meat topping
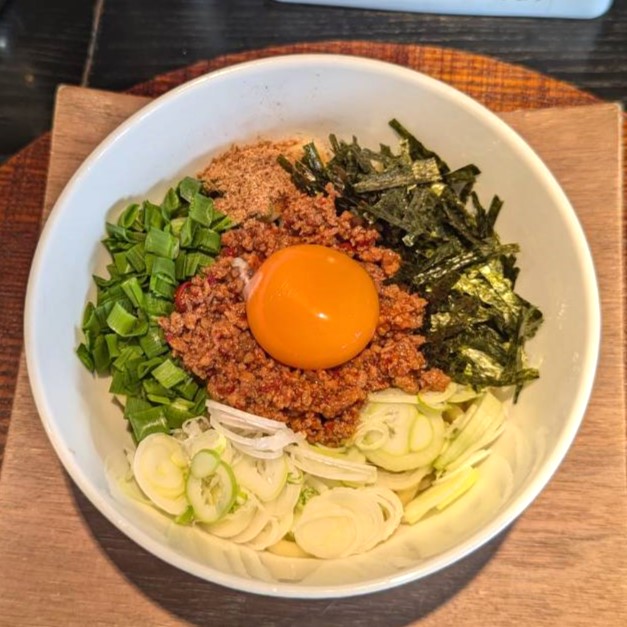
(210, 332)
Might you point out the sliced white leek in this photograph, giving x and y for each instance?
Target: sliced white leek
(288, 485)
(350, 454)
(417, 458)
(258, 522)
(452, 413)
(204, 463)
(394, 463)
(429, 450)
(287, 548)
(211, 440)
(393, 395)
(285, 502)
(274, 530)
(159, 467)
(211, 487)
(439, 400)
(345, 521)
(392, 509)
(407, 494)
(193, 427)
(238, 418)
(331, 527)
(485, 416)
(421, 434)
(477, 452)
(371, 435)
(304, 457)
(474, 460)
(441, 495)
(263, 477)
(236, 521)
(460, 423)
(402, 480)
(445, 402)
(250, 440)
(463, 394)
(255, 433)
(399, 419)
(316, 484)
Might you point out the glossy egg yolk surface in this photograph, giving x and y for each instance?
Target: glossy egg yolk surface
(312, 307)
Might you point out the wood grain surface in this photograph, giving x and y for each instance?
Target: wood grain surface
(500, 86)
(562, 563)
(137, 40)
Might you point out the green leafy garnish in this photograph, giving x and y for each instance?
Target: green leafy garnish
(306, 494)
(153, 248)
(477, 325)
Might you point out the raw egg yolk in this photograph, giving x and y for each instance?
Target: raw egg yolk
(312, 307)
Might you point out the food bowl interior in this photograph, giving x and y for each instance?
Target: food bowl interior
(310, 96)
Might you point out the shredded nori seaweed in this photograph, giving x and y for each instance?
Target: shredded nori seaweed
(476, 325)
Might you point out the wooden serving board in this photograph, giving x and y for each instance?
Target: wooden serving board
(564, 562)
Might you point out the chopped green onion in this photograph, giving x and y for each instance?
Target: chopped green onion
(178, 411)
(195, 262)
(188, 389)
(123, 322)
(153, 343)
(123, 383)
(85, 356)
(155, 306)
(121, 263)
(154, 388)
(221, 222)
(207, 240)
(126, 355)
(133, 290)
(188, 188)
(121, 334)
(176, 225)
(101, 356)
(179, 266)
(170, 203)
(112, 344)
(201, 210)
(161, 287)
(135, 256)
(135, 405)
(152, 216)
(148, 421)
(129, 217)
(114, 294)
(159, 400)
(164, 269)
(122, 234)
(168, 374)
(145, 367)
(187, 233)
(92, 325)
(162, 244)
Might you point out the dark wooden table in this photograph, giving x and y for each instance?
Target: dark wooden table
(113, 44)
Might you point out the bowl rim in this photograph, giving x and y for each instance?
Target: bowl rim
(432, 564)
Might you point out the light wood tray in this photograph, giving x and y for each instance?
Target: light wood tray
(564, 562)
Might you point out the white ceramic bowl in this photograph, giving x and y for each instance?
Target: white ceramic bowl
(311, 96)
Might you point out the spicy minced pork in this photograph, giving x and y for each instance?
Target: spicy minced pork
(210, 333)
